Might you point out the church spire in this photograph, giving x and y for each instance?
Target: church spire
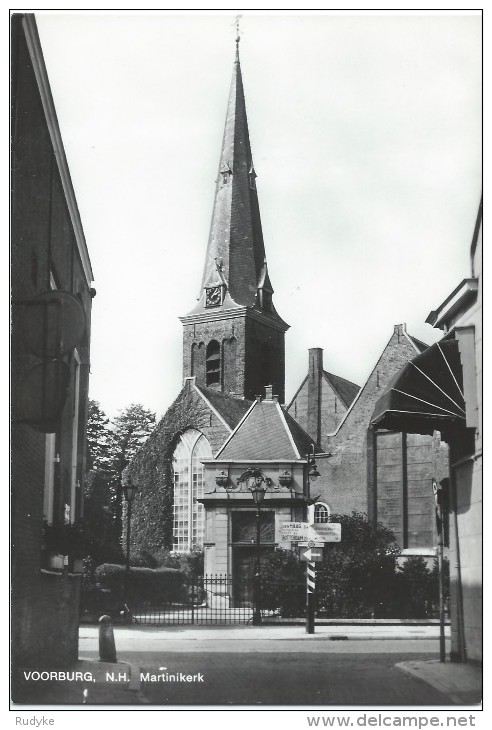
(236, 240)
(234, 340)
(238, 38)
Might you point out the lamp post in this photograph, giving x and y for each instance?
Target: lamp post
(129, 490)
(258, 493)
(312, 475)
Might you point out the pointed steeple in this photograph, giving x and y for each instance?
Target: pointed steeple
(236, 239)
(234, 340)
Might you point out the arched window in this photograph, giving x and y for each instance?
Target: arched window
(321, 512)
(188, 530)
(213, 363)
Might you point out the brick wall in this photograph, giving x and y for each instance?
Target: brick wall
(316, 406)
(265, 360)
(252, 354)
(230, 334)
(44, 604)
(382, 474)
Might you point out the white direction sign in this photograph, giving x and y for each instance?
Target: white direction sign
(310, 544)
(312, 555)
(305, 532)
(295, 532)
(326, 532)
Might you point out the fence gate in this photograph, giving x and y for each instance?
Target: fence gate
(219, 599)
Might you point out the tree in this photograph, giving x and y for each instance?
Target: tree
(99, 438)
(100, 524)
(131, 428)
(357, 577)
(110, 446)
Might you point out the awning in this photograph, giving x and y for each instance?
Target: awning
(426, 395)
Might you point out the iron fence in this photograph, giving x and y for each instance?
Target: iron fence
(206, 600)
(220, 599)
(223, 600)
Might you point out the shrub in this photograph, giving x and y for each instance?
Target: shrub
(357, 578)
(419, 588)
(143, 559)
(282, 583)
(190, 564)
(145, 585)
(413, 587)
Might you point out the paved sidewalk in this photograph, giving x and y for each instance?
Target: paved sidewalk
(181, 636)
(461, 683)
(95, 687)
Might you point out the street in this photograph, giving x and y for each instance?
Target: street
(275, 665)
(286, 679)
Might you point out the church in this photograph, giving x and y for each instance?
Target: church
(229, 426)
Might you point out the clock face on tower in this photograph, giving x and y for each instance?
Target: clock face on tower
(213, 296)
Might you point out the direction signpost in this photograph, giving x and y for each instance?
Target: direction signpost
(294, 532)
(312, 554)
(311, 538)
(305, 532)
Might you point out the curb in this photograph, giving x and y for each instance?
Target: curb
(134, 683)
(460, 683)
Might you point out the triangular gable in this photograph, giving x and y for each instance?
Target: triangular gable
(297, 392)
(345, 389)
(262, 435)
(229, 410)
(374, 369)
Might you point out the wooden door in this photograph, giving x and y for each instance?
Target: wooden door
(243, 571)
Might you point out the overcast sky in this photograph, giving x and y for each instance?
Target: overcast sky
(366, 138)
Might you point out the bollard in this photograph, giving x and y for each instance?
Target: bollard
(107, 649)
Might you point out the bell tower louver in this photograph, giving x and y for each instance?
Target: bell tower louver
(233, 340)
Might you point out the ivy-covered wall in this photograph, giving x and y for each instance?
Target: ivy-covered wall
(152, 472)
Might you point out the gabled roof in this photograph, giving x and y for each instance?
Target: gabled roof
(230, 409)
(420, 346)
(266, 433)
(344, 388)
(416, 344)
(302, 440)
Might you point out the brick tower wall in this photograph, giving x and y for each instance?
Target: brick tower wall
(252, 355)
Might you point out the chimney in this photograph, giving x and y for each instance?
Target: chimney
(315, 375)
(269, 393)
(400, 330)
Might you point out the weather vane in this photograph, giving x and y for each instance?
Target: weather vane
(236, 23)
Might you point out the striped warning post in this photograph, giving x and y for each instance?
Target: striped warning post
(311, 577)
(310, 597)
